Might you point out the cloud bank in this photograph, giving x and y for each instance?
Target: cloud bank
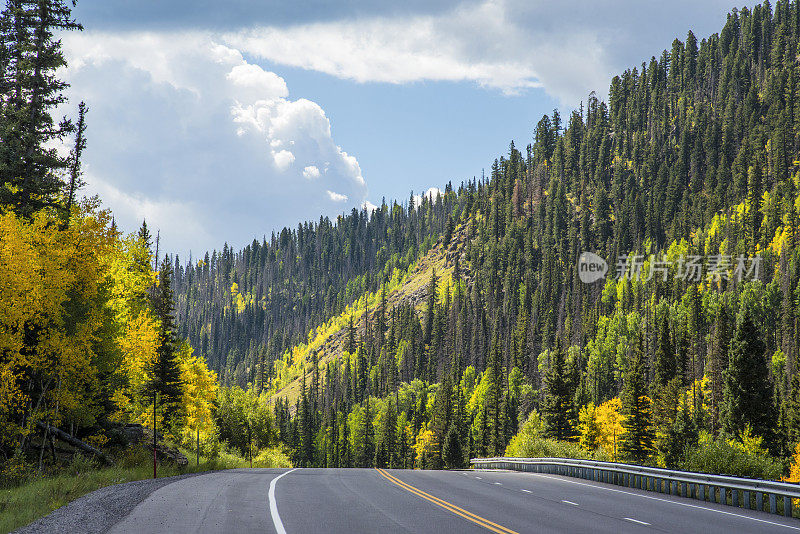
(201, 142)
(566, 48)
(189, 129)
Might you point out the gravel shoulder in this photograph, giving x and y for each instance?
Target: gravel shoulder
(100, 510)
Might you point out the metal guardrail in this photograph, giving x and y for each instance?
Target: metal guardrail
(734, 491)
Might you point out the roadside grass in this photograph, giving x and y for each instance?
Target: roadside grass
(39, 494)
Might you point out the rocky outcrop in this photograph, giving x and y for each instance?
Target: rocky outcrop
(141, 436)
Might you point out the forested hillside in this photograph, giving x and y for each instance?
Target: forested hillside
(693, 160)
(88, 343)
(244, 309)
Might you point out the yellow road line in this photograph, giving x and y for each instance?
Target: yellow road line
(469, 516)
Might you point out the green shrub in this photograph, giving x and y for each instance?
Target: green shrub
(81, 464)
(13, 471)
(726, 457)
(530, 443)
(547, 448)
(272, 457)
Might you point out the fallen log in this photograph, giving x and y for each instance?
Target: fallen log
(75, 442)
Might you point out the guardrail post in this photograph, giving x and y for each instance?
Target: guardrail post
(746, 499)
(735, 497)
(787, 506)
(759, 501)
(773, 505)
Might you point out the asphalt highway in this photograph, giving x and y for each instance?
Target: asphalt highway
(369, 500)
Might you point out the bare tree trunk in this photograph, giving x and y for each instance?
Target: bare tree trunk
(63, 436)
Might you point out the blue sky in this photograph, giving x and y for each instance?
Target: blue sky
(223, 121)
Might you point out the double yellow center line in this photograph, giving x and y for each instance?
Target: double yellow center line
(469, 516)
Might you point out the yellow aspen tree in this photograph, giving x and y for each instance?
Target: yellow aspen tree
(609, 422)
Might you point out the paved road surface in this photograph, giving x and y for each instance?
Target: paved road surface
(371, 501)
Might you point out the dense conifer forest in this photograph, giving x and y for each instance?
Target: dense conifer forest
(690, 167)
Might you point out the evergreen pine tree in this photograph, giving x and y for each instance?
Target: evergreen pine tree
(164, 375)
(31, 171)
(747, 393)
(637, 441)
(452, 452)
(558, 411)
(366, 449)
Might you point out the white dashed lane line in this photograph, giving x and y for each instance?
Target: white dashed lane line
(676, 503)
(570, 502)
(636, 521)
(527, 491)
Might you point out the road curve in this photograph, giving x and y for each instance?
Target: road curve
(369, 500)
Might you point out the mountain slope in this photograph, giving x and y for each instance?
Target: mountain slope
(328, 342)
(693, 159)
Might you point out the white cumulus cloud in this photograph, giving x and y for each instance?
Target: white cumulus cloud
(311, 172)
(283, 159)
(430, 194)
(337, 197)
(202, 124)
(264, 84)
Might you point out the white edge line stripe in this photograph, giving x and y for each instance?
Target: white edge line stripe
(669, 501)
(637, 521)
(273, 506)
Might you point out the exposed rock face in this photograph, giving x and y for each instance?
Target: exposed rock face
(134, 433)
(164, 454)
